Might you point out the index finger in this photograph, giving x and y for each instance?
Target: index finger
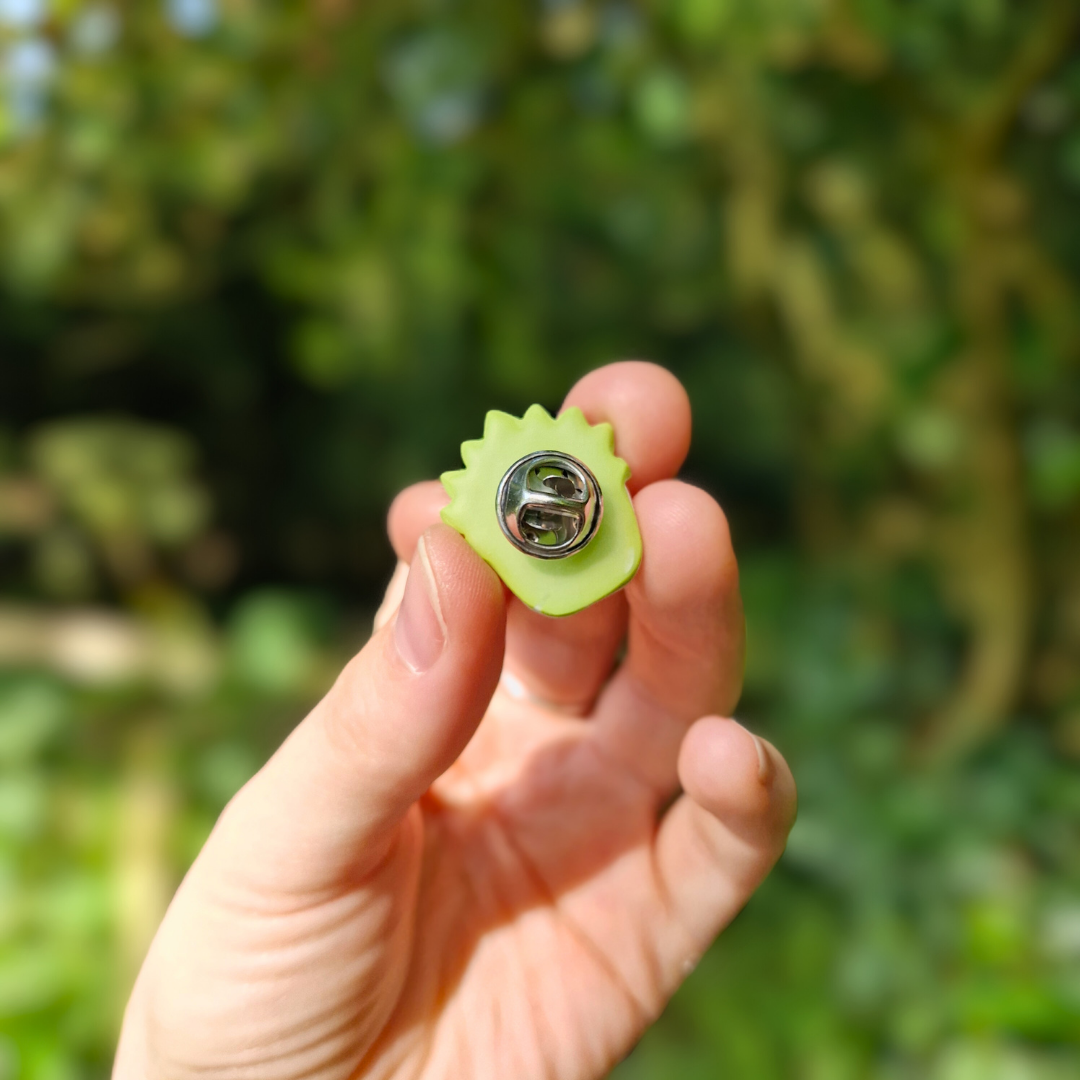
(649, 410)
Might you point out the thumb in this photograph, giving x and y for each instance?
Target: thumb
(326, 806)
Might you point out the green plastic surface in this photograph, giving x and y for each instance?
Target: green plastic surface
(552, 586)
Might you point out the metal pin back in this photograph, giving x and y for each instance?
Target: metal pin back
(549, 505)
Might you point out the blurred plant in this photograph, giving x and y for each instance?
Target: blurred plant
(318, 242)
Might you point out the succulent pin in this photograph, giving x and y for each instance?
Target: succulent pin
(543, 499)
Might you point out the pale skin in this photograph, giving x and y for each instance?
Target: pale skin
(495, 848)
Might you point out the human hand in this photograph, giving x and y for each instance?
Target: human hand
(443, 873)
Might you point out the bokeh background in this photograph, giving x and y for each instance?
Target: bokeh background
(262, 264)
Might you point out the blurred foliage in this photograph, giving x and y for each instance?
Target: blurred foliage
(260, 265)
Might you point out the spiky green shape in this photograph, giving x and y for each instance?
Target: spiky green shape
(553, 586)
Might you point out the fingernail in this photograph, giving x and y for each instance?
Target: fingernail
(392, 599)
(764, 762)
(419, 629)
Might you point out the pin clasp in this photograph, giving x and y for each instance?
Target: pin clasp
(549, 505)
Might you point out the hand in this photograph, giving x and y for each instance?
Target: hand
(465, 863)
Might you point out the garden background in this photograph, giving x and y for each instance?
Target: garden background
(263, 264)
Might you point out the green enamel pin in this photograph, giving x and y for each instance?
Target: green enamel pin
(544, 501)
